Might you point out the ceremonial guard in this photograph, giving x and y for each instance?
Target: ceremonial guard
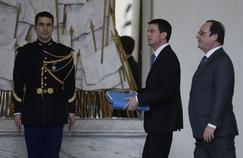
(44, 90)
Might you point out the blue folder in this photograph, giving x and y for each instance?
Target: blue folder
(119, 99)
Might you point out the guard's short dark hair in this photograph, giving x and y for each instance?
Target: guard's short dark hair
(164, 26)
(127, 44)
(217, 28)
(44, 14)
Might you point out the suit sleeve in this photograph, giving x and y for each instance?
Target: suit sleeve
(224, 87)
(19, 81)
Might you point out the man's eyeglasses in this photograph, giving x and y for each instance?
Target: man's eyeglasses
(202, 32)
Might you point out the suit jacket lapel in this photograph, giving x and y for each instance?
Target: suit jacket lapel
(199, 69)
(203, 65)
(157, 59)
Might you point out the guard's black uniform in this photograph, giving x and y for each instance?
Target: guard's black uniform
(44, 83)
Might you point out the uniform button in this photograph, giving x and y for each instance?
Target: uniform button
(45, 58)
(45, 78)
(45, 84)
(44, 70)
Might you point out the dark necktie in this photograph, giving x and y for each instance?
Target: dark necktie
(204, 58)
(152, 59)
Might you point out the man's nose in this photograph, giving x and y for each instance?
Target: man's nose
(45, 27)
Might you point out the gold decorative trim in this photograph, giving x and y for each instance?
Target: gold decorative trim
(69, 72)
(44, 90)
(16, 97)
(73, 98)
(39, 91)
(59, 60)
(50, 90)
(57, 56)
(71, 59)
(55, 77)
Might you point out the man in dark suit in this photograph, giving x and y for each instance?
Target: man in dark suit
(162, 93)
(210, 107)
(128, 44)
(44, 90)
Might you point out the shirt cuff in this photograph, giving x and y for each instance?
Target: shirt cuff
(136, 98)
(211, 125)
(17, 113)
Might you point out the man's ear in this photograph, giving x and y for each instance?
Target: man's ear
(215, 37)
(163, 35)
